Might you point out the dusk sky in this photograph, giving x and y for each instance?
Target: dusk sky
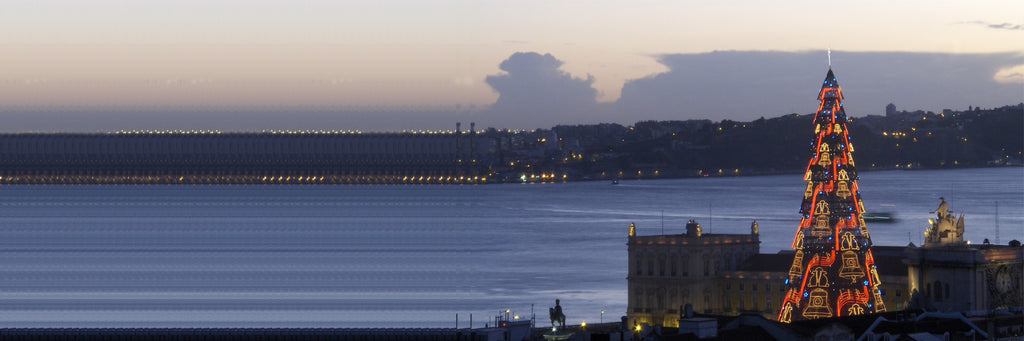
(394, 65)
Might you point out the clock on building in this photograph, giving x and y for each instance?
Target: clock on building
(1004, 283)
(1004, 286)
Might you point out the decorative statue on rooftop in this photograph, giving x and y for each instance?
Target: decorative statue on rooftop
(943, 209)
(948, 229)
(557, 315)
(693, 229)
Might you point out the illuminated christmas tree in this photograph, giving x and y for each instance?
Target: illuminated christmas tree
(833, 272)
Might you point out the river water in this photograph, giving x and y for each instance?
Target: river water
(404, 256)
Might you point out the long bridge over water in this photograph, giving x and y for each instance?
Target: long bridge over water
(248, 158)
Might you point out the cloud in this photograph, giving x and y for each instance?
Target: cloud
(463, 81)
(535, 92)
(1013, 74)
(745, 85)
(1002, 26)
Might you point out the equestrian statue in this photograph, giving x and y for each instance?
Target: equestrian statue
(557, 315)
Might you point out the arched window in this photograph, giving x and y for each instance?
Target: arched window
(938, 291)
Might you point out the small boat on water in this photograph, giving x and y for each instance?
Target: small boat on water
(880, 217)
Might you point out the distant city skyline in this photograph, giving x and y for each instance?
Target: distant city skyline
(394, 65)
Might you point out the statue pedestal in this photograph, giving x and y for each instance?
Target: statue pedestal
(557, 335)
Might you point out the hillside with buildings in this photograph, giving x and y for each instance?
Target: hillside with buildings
(898, 140)
(648, 149)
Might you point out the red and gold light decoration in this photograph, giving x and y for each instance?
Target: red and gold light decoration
(833, 272)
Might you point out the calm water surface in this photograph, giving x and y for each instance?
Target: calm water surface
(403, 256)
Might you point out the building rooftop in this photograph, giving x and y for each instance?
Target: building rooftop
(704, 239)
(888, 259)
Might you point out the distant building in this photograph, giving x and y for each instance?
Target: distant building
(724, 274)
(669, 271)
(759, 283)
(948, 274)
(890, 110)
